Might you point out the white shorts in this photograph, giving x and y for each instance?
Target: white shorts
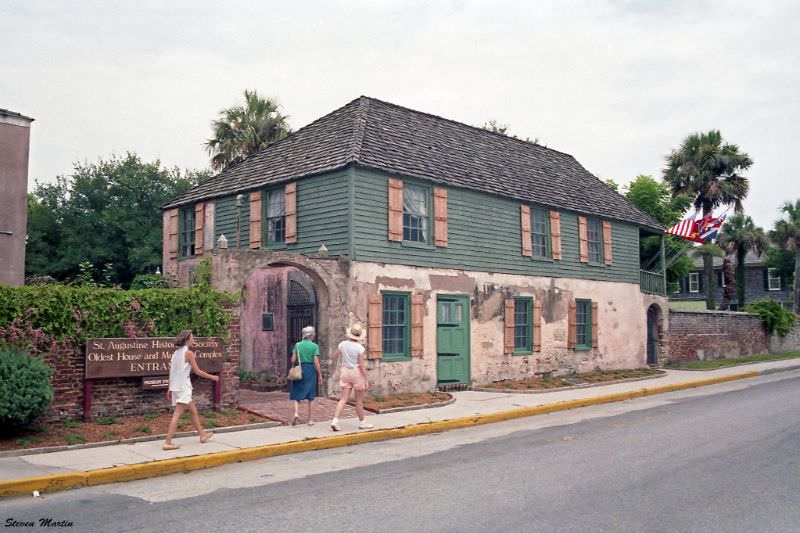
(181, 396)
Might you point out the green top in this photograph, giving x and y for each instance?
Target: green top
(307, 350)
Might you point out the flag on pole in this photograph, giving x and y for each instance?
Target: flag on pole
(688, 228)
(710, 228)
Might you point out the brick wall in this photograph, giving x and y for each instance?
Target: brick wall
(715, 335)
(125, 396)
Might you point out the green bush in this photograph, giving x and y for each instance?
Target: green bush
(25, 391)
(152, 281)
(774, 316)
(77, 313)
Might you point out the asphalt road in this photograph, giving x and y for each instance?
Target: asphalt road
(721, 458)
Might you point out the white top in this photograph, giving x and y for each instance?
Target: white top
(350, 351)
(179, 371)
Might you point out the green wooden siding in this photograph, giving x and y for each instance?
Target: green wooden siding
(225, 220)
(322, 213)
(484, 234)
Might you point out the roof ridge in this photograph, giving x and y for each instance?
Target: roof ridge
(359, 128)
(477, 128)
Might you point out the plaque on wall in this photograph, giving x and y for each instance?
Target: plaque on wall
(266, 322)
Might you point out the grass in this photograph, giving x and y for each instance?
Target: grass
(107, 420)
(143, 429)
(74, 439)
(28, 440)
(719, 363)
(71, 424)
(211, 424)
(111, 435)
(149, 417)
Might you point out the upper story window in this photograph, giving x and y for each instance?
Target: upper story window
(694, 282)
(540, 233)
(773, 279)
(186, 231)
(415, 213)
(594, 238)
(276, 216)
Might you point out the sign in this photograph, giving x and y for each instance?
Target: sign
(155, 383)
(149, 356)
(266, 322)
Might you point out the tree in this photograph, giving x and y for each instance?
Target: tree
(740, 235)
(503, 129)
(710, 171)
(243, 130)
(106, 213)
(786, 235)
(654, 198)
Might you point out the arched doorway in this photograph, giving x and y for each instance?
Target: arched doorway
(301, 309)
(653, 333)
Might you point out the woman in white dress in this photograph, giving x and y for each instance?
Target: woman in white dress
(180, 387)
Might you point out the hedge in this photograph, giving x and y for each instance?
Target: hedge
(63, 313)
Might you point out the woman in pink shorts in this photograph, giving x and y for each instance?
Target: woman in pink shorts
(353, 375)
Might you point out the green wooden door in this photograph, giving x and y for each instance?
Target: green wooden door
(452, 339)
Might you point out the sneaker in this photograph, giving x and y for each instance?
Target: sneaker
(335, 426)
(365, 425)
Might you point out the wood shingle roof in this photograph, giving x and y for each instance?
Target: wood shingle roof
(394, 139)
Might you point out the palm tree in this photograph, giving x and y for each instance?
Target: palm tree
(786, 235)
(741, 235)
(243, 130)
(708, 170)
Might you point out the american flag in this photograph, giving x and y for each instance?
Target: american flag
(688, 228)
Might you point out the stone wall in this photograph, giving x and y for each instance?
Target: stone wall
(715, 335)
(125, 396)
(789, 343)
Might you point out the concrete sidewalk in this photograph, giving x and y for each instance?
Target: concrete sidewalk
(52, 471)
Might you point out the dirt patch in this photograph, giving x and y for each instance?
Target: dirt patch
(409, 399)
(573, 380)
(117, 428)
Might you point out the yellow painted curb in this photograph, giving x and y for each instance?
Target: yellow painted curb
(55, 482)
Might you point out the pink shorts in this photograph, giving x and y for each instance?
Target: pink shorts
(351, 379)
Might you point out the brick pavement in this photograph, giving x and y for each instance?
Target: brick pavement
(276, 406)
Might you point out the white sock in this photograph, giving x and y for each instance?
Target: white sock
(334, 421)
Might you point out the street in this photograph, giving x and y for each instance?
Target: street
(719, 458)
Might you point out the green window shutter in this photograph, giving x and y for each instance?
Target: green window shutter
(523, 325)
(396, 326)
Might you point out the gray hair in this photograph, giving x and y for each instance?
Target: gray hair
(308, 332)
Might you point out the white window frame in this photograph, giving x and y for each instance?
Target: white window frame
(694, 281)
(722, 278)
(773, 275)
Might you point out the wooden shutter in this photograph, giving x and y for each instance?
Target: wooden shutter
(594, 325)
(525, 225)
(572, 326)
(607, 242)
(537, 325)
(199, 220)
(417, 316)
(375, 332)
(395, 209)
(508, 338)
(256, 209)
(439, 217)
(584, 239)
(555, 234)
(172, 245)
(290, 208)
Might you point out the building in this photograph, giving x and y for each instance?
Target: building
(14, 145)
(470, 256)
(760, 282)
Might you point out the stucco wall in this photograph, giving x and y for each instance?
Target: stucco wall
(622, 323)
(265, 351)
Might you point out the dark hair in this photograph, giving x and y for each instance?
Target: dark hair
(182, 337)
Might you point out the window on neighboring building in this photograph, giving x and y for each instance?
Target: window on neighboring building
(773, 279)
(594, 237)
(722, 278)
(540, 233)
(396, 329)
(694, 282)
(276, 216)
(415, 213)
(186, 231)
(583, 324)
(523, 325)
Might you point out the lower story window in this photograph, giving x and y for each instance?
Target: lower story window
(583, 324)
(773, 279)
(694, 282)
(522, 325)
(396, 325)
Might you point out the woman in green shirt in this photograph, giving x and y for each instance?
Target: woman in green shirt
(307, 352)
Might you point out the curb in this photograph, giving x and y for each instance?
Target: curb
(54, 482)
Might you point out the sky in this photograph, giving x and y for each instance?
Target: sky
(615, 83)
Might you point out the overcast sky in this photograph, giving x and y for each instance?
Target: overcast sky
(617, 84)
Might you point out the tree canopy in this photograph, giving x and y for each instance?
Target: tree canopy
(243, 130)
(740, 235)
(786, 235)
(106, 213)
